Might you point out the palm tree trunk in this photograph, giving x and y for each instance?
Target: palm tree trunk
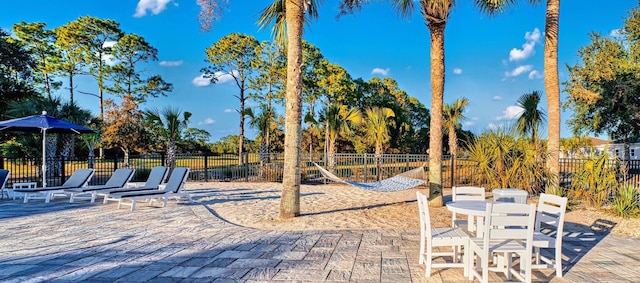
(290, 201)
(171, 154)
(435, 130)
(551, 84)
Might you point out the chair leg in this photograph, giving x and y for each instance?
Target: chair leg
(48, 197)
(429, 261)
(484, 261)
(26, 198)
(133, 204)
(558, 262)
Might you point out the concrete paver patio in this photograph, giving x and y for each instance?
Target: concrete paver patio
(62, 242)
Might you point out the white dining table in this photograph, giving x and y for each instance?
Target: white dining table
(472, 208)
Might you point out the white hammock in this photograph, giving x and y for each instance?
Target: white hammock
(404, 181)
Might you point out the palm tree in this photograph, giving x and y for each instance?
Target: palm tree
(552, 89)
(338, 120)
(436, 14)
(376, 121)
(453, 115)
(262, 121)
(288, 17)
(531, 117)
(169, 126)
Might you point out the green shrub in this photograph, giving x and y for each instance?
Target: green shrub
(625, 202)
(594, 181)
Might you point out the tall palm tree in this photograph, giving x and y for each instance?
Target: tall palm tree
(169, 123)
(552, 89)
(338, 120)
(531, 117)
(436, 14)
(288, 17)
(453, 115)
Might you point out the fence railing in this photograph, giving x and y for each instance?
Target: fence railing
(269, 168)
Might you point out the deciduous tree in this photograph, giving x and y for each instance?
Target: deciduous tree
(123, 127)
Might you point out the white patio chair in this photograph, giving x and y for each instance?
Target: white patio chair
(439, 237)
(466, 193)
(508, 230)
(548, 231)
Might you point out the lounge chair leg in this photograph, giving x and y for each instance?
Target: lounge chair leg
(93, 197)
(71, 198)
(26, 198)
(164, 204)
(47, 198)
(119, 204)
(133, 204)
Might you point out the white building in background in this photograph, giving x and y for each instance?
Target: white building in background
(616, 149)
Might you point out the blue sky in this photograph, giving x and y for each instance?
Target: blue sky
(490, 60)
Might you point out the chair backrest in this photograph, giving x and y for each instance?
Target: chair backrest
(79, 178)
(509, 221)
(4, 176)
(120, 178)
(157, 175)
(425, 217)
(467, 193)
(177, 179)
(551, 211)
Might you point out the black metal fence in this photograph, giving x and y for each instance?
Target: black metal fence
(226, 167)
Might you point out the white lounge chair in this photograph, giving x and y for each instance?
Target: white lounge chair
(548, 231)
(156, 177)
(118, 179)
(173, 189)
(452, 237)
(508, 230)
(79, 178)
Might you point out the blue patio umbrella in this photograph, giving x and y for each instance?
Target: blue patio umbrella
(45, 124)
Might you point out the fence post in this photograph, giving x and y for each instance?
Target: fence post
(162, 159)
(1, 162)
(364, 171)
(407, 156)
(64, 175)
(453, 170)
(206, 167)
(115, 162)
(245, 158)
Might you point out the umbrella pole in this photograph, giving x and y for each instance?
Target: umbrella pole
(44, 157)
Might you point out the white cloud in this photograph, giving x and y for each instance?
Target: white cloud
(155, 6)
(510, 113)
(497, 98)
(615, 33)
(528, 48)
(519, 70)
(534, 75)
(207, 121)
(225, 77)
(200, 81)
(109, 59)
(221, 77)
(380, 71)
(171, 63)
(229, 110)
(457, 71)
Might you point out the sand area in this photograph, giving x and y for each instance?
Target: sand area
(339, 206)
